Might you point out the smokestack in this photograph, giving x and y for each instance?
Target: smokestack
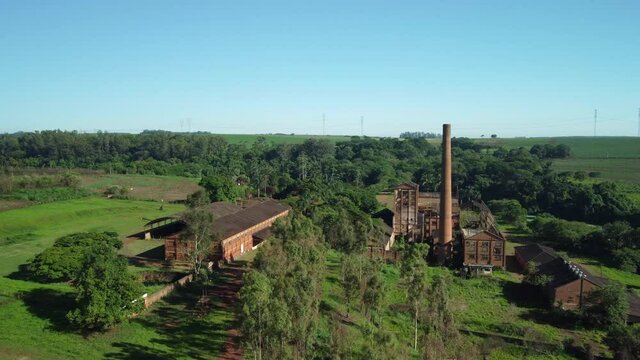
(445, 195)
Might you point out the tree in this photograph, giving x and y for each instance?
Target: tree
(413, 274)
(197, 238)
(607, 306)
(351, 279)
(221, 188)
(64, 259)
(255, 298)
(625, 342)
(107, 292)
(197, 199)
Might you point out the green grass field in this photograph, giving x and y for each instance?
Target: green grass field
(27, 231)
(144, 187)
(33, 323)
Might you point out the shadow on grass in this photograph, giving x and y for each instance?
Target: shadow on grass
(523, 295)
(52, 305)
(157, 253)
(183, 328)
(538, 308)
(135, 351)
(22, 273)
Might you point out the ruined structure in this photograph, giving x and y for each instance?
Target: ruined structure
(414, 214)
(483, 243)
(238, 228)
(569, 283)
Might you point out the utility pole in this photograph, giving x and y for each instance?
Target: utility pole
(362, 126)
(595, 122)
(324, 121)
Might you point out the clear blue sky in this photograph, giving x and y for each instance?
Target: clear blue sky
(515, 68)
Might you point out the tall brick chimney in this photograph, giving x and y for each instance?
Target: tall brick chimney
(445, 236)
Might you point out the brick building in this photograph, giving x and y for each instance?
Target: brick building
(415, 214)
(483, 250)
(569, 283)
(238, 227)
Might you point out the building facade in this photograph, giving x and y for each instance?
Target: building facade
(237, 229)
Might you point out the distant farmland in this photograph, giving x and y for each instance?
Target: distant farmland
(581, 147)
(248, 139)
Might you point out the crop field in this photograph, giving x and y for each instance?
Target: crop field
(144, 187)
(248, 139)
(623, 170)
(581, 147)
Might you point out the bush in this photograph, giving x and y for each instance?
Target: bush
(63, 260)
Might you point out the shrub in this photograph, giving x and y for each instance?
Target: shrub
(63, 260)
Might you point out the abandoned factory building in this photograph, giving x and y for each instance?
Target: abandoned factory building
(238, 227)
(569, 283)
(415, 214)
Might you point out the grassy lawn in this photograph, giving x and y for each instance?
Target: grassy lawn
(34, 324)
(27, 231)
(494, 304)
(598, 269)
(144, 187)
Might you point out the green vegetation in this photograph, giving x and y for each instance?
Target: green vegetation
(27, 231)
(107, 293)
(143, 187)
(581, 147)
(623, 170)
(64, 260)
(248, 139)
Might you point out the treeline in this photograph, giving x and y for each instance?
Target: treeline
(418, 135)
(280, 170)
(616, 243)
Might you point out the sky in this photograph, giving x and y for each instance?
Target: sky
(511, 68)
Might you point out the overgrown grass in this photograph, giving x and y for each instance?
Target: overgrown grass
(144, 187)
(494, 305)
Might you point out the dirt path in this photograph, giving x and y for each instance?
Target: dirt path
(225, 295)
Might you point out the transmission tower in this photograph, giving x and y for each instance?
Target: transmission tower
(595, 122)
(362, 126)
(324, 123)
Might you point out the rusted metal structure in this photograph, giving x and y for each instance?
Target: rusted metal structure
(238, 227)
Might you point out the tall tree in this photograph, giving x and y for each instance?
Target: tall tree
(413, 272)
(107, 293)
(198, 237)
